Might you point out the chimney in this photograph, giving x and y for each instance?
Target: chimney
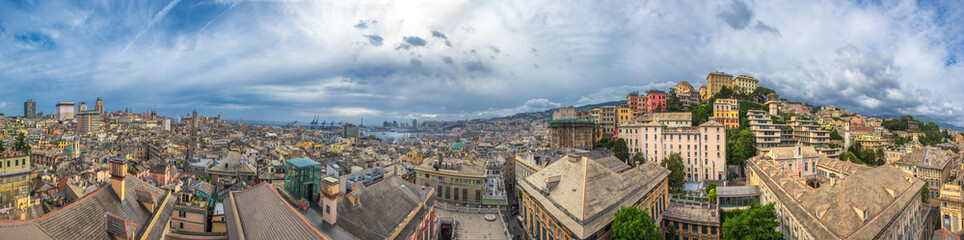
(332, 192)
(118, 170)
(423, 193)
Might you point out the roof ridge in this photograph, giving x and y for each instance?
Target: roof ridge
(293, 211)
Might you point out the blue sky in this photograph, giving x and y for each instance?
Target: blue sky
(445, 60)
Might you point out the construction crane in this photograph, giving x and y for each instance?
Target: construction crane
(314, 122)
(289, 125)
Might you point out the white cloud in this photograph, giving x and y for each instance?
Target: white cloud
(282, 57)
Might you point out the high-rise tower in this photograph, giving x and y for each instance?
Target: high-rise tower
(29, 109)
(99, 106)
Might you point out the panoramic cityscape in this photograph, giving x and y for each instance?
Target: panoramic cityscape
(450, 120)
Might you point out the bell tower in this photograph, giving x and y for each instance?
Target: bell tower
(118, 170)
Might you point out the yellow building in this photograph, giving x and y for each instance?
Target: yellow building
(716, 81)
(873, 142)
(930, 164)
(577, 197)
(413, 157)
(624, 114)
(727, 112)
(744, 84)
(14, 179)
(951, 204)
(606, 119)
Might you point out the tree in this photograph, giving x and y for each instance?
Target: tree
(2, 148)
(675, 165)
(834, 135)
(21, 144)
(633, 223)
(604, 143)
(638, 159)
(620, 150)
(744, 148)
(762, 92)
(673, 104)
(711, 191)
(756, 222)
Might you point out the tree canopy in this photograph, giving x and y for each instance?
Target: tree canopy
(755, 222)
(621, 151)
(604, 143)
(638, 159)
(744, 148)
(675, 165)
(634, 224)
(21, 144)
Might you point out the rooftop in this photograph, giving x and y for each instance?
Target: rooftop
(859, 206)
(928, 157)
(260, 213)
(87, 218)
(587, 192)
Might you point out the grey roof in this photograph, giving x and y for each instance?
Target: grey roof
(233, 164)
(157, 232)
(927, 157)
(263, 214)
(737, 191)
(382, 208)
(867, 190)
(87, 218)
(588, 192)
(944, 234)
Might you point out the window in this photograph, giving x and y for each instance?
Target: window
(328, 209)
(182, 214)
(181, 226)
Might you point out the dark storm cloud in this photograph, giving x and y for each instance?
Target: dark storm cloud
(737, 16)
(411, 41)
(861, 80)
(762, 27)
(374, 39)
(439, 35)
(443, 37)
(476, 66)
(448, 60)
(361, 25)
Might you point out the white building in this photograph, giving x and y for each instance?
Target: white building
(702, 148)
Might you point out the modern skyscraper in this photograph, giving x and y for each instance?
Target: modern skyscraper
(99, 106)
(29, 109)
(88, 121)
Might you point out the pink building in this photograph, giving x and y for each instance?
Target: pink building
(655, 101)
(857, 121)
(162, 174)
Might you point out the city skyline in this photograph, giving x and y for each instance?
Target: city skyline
(464, 60)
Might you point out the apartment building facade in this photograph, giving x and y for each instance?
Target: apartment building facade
(702, 148)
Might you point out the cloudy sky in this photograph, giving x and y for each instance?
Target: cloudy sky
(444, 60)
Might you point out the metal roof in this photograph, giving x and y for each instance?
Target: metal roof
(302, 162)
